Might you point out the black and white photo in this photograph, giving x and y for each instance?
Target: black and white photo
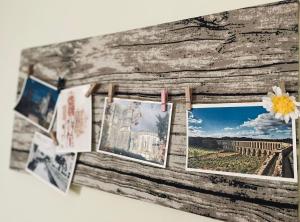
(56, 170)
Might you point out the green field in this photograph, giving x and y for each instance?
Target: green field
(223, 161)
(196, 152)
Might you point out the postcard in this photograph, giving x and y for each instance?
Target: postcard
(74, 120)
(54, 169)
(240, 140)
(136, 130)
(37, 103)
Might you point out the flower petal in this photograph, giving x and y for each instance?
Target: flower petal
(278, 115)
(297, 112)
(266, 98)
(294, 115)
(277, 90)
(286, 118)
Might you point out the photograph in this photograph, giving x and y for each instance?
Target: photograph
(44, 163)
(241, 139)
(37, 103)
(136, 130)
(74, 120)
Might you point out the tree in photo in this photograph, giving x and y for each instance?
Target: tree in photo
(162, 127)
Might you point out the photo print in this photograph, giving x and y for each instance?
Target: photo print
(74, 120)
(37, 103)
(240, 140)
(136, 130)
(54, 169)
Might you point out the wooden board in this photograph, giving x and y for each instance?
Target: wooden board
(234, 56)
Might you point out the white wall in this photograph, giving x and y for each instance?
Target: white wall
(35, 22)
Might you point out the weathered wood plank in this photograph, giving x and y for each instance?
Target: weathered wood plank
(181, 196)
(234, 56)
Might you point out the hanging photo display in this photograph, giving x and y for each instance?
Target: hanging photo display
(136, 130)
(56, 170)
(74, 120)
(241, 140)
(37, 103)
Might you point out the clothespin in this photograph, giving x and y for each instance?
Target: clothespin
(53, 137)
(164, 99)
(282, 86)
(110, 92)
(188, 98)
(61, 83)
(30, 69)
(92, 89)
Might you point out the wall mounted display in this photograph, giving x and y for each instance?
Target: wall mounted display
(241, 140)
(136, 130)
(229, 57)
(74, 120)
(37, 103)
(56, 170)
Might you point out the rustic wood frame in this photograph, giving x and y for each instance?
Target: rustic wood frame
(234, 56)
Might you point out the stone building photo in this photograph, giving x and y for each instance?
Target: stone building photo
(137, 130)
(243, 140)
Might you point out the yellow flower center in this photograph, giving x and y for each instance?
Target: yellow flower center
(283, 104)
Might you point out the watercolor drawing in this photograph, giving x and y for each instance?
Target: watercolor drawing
(240, 139)
(74, 120)
(37, 103)
(136, 130)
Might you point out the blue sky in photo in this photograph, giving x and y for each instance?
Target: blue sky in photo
(245, 121)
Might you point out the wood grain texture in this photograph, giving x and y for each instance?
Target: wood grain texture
(234, 56)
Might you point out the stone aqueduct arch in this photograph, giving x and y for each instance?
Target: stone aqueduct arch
(257, 148)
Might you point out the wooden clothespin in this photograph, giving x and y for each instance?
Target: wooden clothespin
(30, 69)
(53, 137)
(164, 99)
(188, 98)
(110, 92)
(92, 89)
(282, 86)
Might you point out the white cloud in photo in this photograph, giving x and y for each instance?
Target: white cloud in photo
(264, 126)
(193, 120)
(228, 128)
(259, 126)
(195, 131)
(267, 124)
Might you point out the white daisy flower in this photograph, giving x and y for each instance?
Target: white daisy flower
(281, 105)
